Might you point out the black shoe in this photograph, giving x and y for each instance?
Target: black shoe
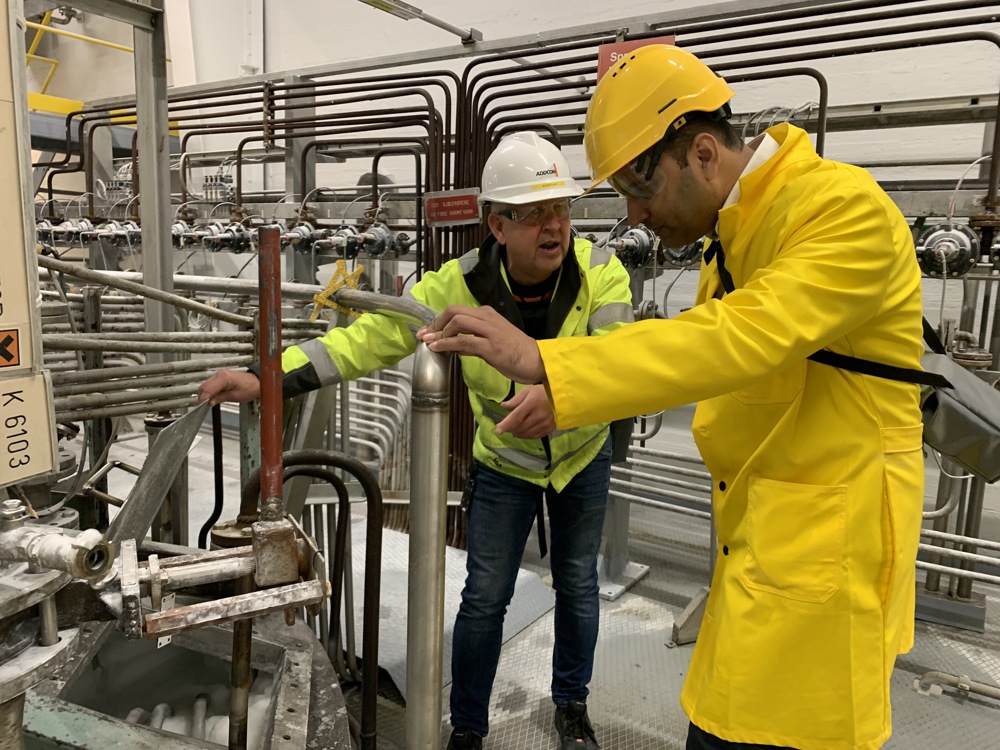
(463, 739)
(573, 725)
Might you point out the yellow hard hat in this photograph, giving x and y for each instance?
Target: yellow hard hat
(649, 90)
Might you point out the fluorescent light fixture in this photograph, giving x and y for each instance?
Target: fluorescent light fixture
(407, 11)
(396, 8)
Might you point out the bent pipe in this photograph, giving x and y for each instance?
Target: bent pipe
(373, 564)
(373, 555)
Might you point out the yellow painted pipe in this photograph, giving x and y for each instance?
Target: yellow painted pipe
(81, 37)
(38, 36)
(54, 64)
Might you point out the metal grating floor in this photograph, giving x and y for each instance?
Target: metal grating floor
(634, 702)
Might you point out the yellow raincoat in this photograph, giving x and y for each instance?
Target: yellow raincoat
(818, 471)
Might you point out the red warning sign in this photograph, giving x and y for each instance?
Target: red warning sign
(10, 351)
(452, 207)
(609, 54)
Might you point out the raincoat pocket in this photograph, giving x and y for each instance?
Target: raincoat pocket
(795, 539)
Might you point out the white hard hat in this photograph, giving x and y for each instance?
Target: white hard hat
(525, 168)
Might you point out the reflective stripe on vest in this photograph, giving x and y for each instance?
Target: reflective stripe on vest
(613, 312)
(520, 459)
(319, 358)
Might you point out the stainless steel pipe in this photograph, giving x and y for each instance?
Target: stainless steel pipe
(428, 506)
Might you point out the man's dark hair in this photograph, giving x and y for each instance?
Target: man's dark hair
(678, 142)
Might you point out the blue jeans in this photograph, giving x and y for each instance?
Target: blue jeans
(498, 522)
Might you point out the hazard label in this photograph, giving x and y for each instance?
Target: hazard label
(10, 352)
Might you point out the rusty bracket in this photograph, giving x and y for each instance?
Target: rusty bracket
(240, 607)
(275, 553)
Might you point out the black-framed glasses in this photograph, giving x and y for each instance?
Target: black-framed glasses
(535, 215)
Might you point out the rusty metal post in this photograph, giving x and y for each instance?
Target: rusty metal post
(272, 503)
(239, 697)
(269, 260)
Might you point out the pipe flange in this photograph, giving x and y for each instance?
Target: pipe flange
(989, 219)
(950, 250)
(972, 358)
(682, 257)
(647, 310)
(232, 534)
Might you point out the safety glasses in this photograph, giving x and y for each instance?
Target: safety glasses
(639, 179)
(536, 214)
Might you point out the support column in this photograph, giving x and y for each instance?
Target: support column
(154, 171)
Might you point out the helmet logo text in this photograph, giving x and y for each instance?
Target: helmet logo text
(544, 172)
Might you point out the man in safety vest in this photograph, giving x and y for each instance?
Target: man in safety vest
(818, 470)
(547, 285)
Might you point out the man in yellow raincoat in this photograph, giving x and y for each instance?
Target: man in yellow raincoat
(818, 471)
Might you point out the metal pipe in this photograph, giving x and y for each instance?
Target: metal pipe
(111, 374)
(824, 95)
(239, 697)
(85, 555)
(949, 492)
(957, 538)
(131, 383)
(959, 554)
(660, 480)
(109, 279)
(247, 287)
(373, 565)
(961, 575)
(80, 415)
(272, 499)
(675, 470)
(79, 37)
(56, 342)
(428, 508)
(198, 714)
(646, 490)
(147, 396)
(48, 634)
(684, 458)
(188, 336)
(962, 683)
(973, 519)
(196, 574)
(420, 195)
(639, 500)
(405, 309)
(94, 515)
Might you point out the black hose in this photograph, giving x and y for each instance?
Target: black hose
(217, 451)
(294, 460)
